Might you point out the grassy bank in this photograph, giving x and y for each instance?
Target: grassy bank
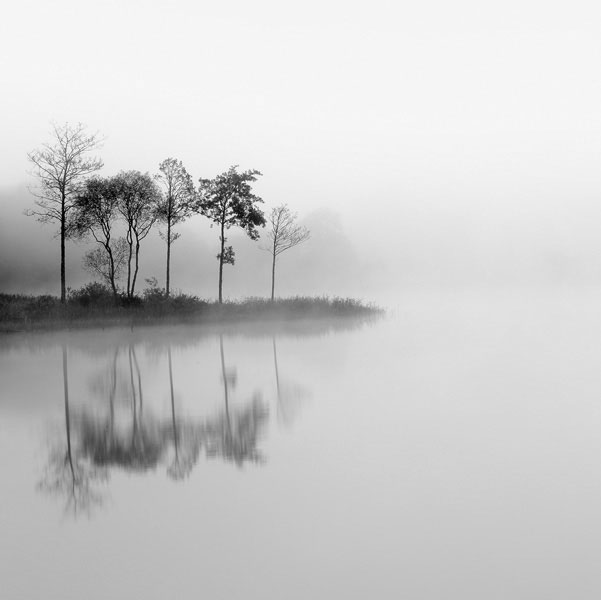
(94, 305)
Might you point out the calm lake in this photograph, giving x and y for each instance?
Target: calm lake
(451, 449)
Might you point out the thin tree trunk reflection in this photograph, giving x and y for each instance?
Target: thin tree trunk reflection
(288, 394)
(113, 391)
(277, 377)
(224, 376)
(65, 473)
(133, 397)
(69, 456)
(140, 396)
(226, 394)
(175, 440)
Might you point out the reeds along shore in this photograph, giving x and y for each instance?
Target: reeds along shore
(95, 305)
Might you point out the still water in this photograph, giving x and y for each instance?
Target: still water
(449, 450)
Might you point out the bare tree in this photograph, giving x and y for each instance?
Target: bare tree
(174, 206)
(284, 233)
(61, 166)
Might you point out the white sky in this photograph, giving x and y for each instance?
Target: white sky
(426, 120)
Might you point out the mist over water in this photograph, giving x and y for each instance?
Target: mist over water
(458, 436)
(445, 158)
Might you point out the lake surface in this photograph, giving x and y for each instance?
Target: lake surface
(449, 450)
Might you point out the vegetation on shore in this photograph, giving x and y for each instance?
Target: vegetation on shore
(118, 212)
(95, 305)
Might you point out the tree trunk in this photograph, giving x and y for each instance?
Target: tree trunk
(133, 283)
(168, 255)
(63, 234)
(221, 263)
(111, 269)
(130, 242)
(273, 278)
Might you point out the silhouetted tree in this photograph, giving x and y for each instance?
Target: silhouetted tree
(174, 206)
(228, 201)
(96, 210)
(61, 167)
(138, 198)
(284, 233)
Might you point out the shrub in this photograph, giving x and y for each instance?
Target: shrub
(92, 295)
(154, 293)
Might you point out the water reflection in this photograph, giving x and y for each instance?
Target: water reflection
(127, 436)
(67, 473)
(183, 462)
(135, 378)
(234, 436)
(289, 395)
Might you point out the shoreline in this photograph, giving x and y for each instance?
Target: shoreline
(45, 313)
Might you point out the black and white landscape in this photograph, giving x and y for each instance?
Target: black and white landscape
(300, 301)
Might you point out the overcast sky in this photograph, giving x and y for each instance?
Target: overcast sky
(442, 142)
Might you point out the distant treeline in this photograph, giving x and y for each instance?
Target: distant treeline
(118, 212)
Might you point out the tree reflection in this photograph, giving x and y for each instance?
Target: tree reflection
(112, 393)
(289, 395)
(186, 454)
(126, 436)
(234, 435)
(104, 385)
(66, 473)
(106, 445)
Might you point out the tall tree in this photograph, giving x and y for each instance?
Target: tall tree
(284, 233)
(228, 201)
(96, 210)
(61, 167)
(174, 207)
(138, 199)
